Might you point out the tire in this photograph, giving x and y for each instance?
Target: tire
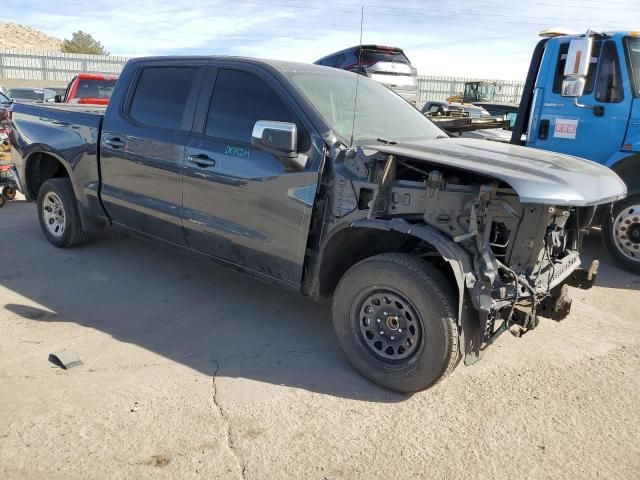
(2, 201)
(427, 304)
(57, 207)
(8, 192)
(621, 233)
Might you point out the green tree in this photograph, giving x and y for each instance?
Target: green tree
(82, 42)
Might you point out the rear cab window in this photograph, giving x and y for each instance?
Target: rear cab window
(161, 95)
(95, 88)
(609, 82)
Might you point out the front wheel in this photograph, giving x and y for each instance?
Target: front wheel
(394, 318)
(621, 233)
(58, 213)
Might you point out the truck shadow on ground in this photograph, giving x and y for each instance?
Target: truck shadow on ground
(185, 309)
(609, 276)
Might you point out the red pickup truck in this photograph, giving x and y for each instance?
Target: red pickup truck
(89, 88)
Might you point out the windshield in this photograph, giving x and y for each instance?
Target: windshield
(94, 88)
(479, 92)
(633, 44)
(380, 112)
(25, 94)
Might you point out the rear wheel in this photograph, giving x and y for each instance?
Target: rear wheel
(621, 233)
(394, 318)
(58, 214)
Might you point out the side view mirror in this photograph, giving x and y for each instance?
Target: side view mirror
(279, 138)
(57, 98)
(576, 67)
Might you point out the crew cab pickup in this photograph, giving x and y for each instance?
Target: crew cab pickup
(429, 245)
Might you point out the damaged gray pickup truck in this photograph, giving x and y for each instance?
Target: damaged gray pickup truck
(430, 246)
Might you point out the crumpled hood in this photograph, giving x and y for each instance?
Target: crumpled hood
(538, 176)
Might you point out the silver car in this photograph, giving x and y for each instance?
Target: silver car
(387, 65)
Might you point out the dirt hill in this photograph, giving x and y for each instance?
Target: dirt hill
(22, 37)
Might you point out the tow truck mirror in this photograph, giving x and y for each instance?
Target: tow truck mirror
(279, 138)
(576, 67)
(57, 99)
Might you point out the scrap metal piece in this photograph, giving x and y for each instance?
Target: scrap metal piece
(65, 359)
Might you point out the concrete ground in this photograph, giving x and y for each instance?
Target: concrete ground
(192, 371)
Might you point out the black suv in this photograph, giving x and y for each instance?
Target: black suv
(387, 65)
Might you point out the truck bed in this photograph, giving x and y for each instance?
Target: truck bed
(71, 134)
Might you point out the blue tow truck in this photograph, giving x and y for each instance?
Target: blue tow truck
(582, 98)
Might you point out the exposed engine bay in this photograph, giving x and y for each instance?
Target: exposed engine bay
(512, 260)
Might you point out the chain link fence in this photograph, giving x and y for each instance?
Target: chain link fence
(54, 67)
(439, 88)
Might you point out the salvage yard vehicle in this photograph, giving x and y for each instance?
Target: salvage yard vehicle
(429, 245)
(582, 97)
(89, 89)
(387, 65)
(31, 94)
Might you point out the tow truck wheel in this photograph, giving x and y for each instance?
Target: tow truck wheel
(621, 233)
(58, 214)
(8, 192)
(394, 316)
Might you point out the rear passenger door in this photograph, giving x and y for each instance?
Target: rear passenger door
(242, 204)
(142, 149)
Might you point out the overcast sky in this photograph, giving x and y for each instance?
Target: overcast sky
(479, 38)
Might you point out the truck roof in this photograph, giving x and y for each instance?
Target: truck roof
(551, 34)
(280, 65)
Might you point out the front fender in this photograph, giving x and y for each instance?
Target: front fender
(461, 264)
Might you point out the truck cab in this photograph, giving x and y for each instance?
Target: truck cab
(89, 89)
(582, 98)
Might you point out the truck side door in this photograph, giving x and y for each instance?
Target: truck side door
(561, 126)
(142, 149)
(242, 204)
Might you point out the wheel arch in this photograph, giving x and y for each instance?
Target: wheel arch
(628, 169)
(40, 166)
(364, 238)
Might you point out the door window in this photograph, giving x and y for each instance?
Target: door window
(239, 100)
(609, 83)
(161, 96)
(562, 60)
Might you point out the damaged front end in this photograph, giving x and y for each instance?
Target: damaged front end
(512, 257)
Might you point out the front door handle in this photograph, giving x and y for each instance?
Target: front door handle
(114, 142)
(202, 160)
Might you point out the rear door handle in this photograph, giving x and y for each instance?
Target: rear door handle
(114, 142)
(202, 160)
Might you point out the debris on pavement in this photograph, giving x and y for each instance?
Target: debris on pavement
(65, 359)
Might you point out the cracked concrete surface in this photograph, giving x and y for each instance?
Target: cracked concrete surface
(191, 371)
(230, 439)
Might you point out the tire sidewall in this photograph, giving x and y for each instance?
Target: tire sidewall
(57, 186)
(608, 235)
(431, 358)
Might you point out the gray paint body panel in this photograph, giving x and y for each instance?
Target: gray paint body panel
(537, 176)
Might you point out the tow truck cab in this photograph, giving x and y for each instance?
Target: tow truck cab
(582, 98)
